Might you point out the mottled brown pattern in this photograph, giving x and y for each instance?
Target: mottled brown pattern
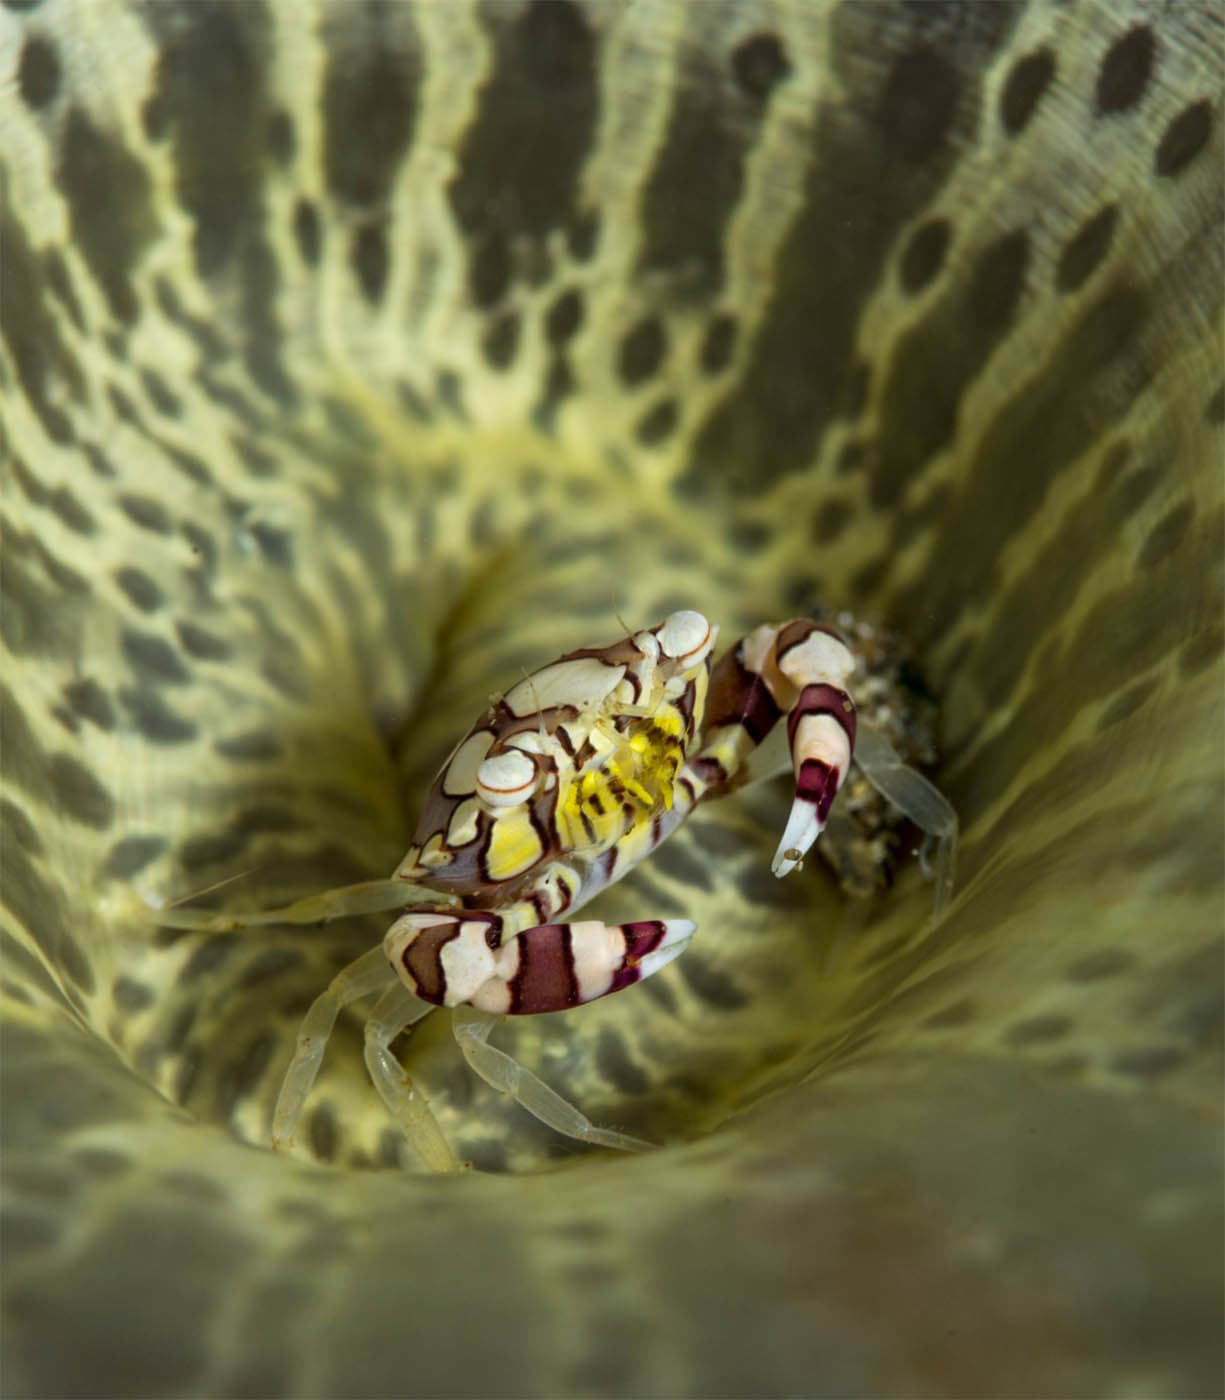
(355, 358)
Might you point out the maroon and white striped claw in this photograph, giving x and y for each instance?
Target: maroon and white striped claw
(553, 967)
(450, 959)
(821, 731)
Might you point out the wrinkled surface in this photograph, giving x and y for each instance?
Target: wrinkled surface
(355, 358)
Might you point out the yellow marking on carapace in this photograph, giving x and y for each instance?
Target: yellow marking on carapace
(638, 771)
(514, 844)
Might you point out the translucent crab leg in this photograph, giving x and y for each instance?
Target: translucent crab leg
(911, 793)
(370, 973)
(397, 1009)
(369, 897)
(503, 1073)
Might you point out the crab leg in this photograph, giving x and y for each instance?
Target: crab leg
(800, 669)
(397, 1009)
(453, 959)
(369, 897)
(367, 975)
(508, 1076)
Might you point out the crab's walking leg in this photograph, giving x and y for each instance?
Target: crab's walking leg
(472, 1027)
(398, 1009)
(801, 670)
(370, 897)
(916, 798)
(369, 974)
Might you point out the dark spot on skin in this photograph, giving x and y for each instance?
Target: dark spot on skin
(159, 394)
(145, 512)
(1149, 1062)
(641, 352)
(999, 280)
(201, 545)
(919, 103)
(758, 64)
(564, 317)
(1125, 71)
(60, 282)
(88, 700)
(489, 269)
(559, 384)
(70, 511)
(1024, 89)
(248, 747)
(710, 985)
(204, 333)
(322, 1134)
(125, 409)
(657, 423)
(1214, 411)
(1135, 488)
(718, 344)
(208, 958)
(131, 996)
(306, 231)
(370, 261)
(100, 1162)
(832, 519)
(77, 794)
(19, 828)
(155, 719)
(110, 200)
(617, 1065)
(924, 254)
(153, 659)
(200, 643)
(1185, 137)
(958, 1013)
(132, 854)
(748, 536)
(582, 234)
(275, 545)
(501, 340)
(369, 111)
(257, 460)
(282, 143)
(391, 1148)
(1166, 535)
(240, 1076)
(850, 458)
(1086, 251)
(38, 73)
(1038, 1030)
(139, 588)
(1108, 962)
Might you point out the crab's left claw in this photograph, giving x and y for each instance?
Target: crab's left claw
(821, 734)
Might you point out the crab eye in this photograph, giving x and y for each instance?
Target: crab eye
(506, 778)
(685, 637)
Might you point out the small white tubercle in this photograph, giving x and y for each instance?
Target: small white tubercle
(506, 778)
(686, 637)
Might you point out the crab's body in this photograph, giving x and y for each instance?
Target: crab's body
(571, 778)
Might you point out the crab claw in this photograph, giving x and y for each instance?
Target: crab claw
(821, 732)
(555, 966)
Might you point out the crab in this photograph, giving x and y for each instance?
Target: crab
(566, 782)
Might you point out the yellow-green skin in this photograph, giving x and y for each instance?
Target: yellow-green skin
(353, 359)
